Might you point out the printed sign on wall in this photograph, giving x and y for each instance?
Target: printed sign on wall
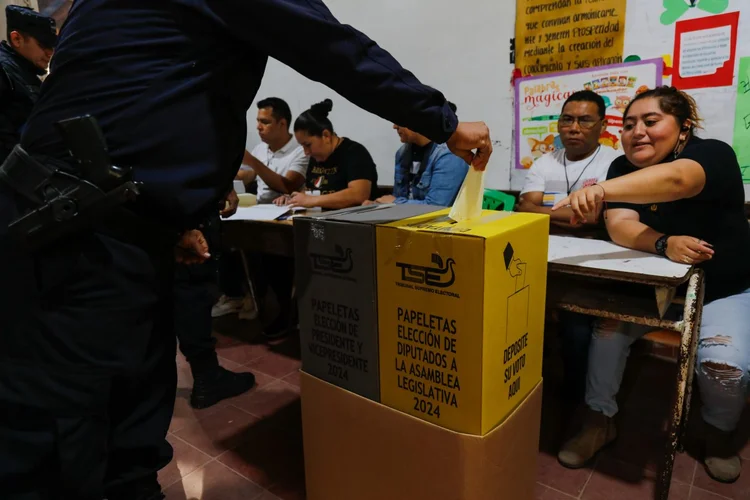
(539, 102)
(704, 51)
(565, 35)
(741, 142)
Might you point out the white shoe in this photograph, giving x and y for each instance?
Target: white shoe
(226, 305)
(249, 309)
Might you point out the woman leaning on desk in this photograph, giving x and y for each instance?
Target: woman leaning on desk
(341, 172)
(682, 197)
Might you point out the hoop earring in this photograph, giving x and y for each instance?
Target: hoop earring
(681, 141)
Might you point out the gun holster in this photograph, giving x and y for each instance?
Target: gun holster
(62, 203)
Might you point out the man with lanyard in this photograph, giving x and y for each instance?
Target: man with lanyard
(425, 173)
(582, 162)
(24, 57)
(88, 239)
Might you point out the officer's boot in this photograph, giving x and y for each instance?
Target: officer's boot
(212, 383)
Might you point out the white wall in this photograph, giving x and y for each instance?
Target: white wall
(460, 48)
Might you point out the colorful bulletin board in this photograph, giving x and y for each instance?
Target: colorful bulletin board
(539, 101)
(705, 46)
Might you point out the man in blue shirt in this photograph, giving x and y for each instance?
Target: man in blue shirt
(426, 173)
(87, 351)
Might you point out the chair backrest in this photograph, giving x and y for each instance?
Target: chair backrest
(497, 200)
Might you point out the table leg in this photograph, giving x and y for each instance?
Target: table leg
(693, 315)
(684, 373)
(249, 281)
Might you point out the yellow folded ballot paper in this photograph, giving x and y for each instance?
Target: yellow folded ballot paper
(468, 204)
(461, 315)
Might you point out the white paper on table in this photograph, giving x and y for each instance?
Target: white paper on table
(468, 203)
(259, 212)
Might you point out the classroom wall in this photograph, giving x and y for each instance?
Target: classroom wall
(464, 51)
(449, 45)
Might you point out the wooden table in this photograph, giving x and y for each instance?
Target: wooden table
(601, 279)
(274, 237)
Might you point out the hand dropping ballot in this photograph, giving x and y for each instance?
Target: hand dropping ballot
(468, 204)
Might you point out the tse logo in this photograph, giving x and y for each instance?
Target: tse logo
(442, 275)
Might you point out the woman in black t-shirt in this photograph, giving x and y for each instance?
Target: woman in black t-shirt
(341, 170)
(681, 197)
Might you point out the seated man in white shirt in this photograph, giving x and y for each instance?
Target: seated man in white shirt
(278, 163)
(279, 166)
(582, 162)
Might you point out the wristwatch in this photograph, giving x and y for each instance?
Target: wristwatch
(661, 245)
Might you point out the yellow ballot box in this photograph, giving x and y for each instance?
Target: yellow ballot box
(461, 315)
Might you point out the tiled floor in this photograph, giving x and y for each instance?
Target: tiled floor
(250, 447)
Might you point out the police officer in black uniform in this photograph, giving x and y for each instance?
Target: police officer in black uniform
(87, 346)
(24, 57)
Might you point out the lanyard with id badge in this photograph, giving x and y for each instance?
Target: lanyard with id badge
(556, 194)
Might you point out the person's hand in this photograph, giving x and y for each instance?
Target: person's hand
(471, 141)
(192, 248)
(282, 200)
(367, 203)
(586, 204)
(688, 250)
(230, 205)
(303, 200)
(386, 199)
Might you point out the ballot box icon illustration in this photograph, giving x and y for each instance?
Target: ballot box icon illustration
(517, 319)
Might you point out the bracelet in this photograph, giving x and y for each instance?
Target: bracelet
(604, 193)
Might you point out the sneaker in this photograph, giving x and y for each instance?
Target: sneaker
(721, 460)
(214, 385)
(227, 305)
(249, 309)
(598, 431)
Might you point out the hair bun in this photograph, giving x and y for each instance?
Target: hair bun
(322, 109)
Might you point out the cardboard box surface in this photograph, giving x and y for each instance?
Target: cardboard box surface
(335, 279)
(461, 316)
(356, 449)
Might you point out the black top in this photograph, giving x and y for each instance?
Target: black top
(19, 90)
(170, 83)
(349, 162)
(716, 215)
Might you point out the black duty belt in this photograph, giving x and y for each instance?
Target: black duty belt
(62, 203)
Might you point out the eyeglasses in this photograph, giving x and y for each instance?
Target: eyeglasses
(585, 122)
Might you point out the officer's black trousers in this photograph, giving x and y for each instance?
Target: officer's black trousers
(87, 364)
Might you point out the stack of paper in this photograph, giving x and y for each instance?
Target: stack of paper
(259, 212)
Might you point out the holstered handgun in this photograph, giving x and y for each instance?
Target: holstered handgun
(64, 203)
